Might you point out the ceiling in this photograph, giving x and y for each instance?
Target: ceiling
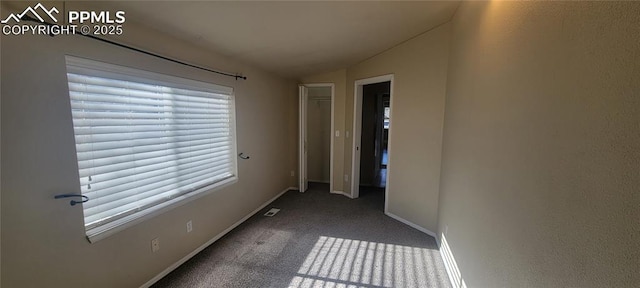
(293, 39)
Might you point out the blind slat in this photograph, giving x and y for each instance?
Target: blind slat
(78, 97)
(144, 128)
(154, 122)
(140, 143)
(128, 106)
(160, 136)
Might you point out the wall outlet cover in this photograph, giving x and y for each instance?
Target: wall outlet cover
(155, 245)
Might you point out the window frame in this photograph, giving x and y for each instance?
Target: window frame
(148, 77)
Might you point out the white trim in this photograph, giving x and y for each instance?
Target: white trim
(333, 135)
(184, 259)
(413, 225)
(302, 137)
(356, 135)
(386, 186)
(333, 104)
(357, 130)
(341, 193)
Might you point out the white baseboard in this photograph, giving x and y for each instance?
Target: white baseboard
(450, 265)
(341, 193)
(214, 239)
(416, 226)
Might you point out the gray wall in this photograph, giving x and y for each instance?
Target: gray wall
(43, 242)
(542, 144)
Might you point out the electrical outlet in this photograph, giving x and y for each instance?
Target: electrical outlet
(346, 133)
(346, 177)
(155, 245)
(446, 229)
(293, 173)
(189, 226)
(337, 133)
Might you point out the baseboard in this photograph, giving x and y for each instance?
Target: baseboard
(415, 226)
(341, 193)
(450, 265)
(175, 265)
(319, 181)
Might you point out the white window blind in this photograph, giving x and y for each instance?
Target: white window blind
(146, 141)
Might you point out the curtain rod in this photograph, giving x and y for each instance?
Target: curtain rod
(237, 76)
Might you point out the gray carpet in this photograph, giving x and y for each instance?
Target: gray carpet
(317, 240)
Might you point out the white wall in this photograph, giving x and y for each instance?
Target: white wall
(541, 144)
(43, 242)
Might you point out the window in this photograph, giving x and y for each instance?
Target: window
(146, 141)
(387, 113)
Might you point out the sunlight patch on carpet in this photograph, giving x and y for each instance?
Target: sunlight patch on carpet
(338, 262)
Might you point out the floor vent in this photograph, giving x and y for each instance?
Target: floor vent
(272, 212)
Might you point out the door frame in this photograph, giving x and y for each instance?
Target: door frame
(357, 132)
(302, 126)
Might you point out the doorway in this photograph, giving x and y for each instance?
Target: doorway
(315, 136)
(374, 134)
(379, 126)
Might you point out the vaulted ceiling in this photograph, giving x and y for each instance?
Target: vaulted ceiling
(293, 39)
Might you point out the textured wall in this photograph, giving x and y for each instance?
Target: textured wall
(43, 243)
(542, 144)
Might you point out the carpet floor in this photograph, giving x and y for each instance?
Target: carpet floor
(318, 239)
